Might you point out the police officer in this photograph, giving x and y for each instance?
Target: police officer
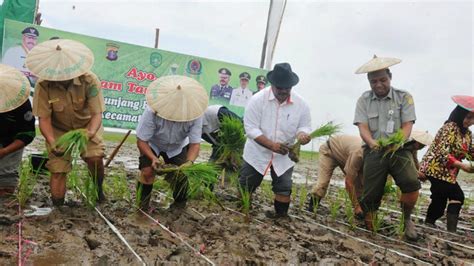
(15, 56)
(222, 91)
(380, 112)
(240, 96)
(261, 82)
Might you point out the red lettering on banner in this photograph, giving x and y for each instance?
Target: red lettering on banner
(110, 85)
(135, 88)
(140, 75)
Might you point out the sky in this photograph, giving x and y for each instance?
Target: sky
(324, 41)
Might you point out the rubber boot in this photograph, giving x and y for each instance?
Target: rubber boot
(281, 210)
(410, 232)
(452, 222)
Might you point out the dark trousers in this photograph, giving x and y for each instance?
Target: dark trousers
(441, 192)
(178, 183)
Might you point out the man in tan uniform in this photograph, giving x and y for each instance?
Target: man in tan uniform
(72, 102)
(345, 152)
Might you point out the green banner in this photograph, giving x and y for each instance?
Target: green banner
(125, 70)
(21, 10)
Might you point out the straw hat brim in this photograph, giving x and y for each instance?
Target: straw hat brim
(377, 63)
(60, 59)
(465, 101)
(177, 98)
(14, 88)
(422, 137)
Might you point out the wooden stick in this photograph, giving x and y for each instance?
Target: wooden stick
(117, 149)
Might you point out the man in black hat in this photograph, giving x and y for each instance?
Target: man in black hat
(241, 96)
(16, 55)
(222, 91)
(274, 118)
(261, 82)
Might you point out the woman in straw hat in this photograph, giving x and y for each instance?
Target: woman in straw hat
(170, 128)
(442, 162)
(68, 97)
(18, 125)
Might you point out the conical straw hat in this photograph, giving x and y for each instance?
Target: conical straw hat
(422, 137)
(59, 60)
(377, 63)
(465, 101)
(14, 88)
(177, 98)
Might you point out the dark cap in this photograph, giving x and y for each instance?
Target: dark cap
(244, 75)
(224, 71)
(30, 31)
(261, 79)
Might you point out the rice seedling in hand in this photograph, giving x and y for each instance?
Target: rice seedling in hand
(199, 176)
(325, 130)
(73, 142)
(231, 143)
(26, 183)
(391, 144)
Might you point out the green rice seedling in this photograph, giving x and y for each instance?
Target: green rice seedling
(231, 143)
(315, 204)
(348, 210)
(267, 191)
(73, 142)
(392, 144)
(294, 193)
(199, 176)
(377, 221)
(245, 197)
(138, 196)
(117, 186)
(334, 206)
(325, 130)
(401, 226)
(302, 197)
(26, 183)
(90, 189)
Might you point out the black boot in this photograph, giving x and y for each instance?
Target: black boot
(57, 202)
(313, 202)
(144, 191)
(281, 210)
(452, 222)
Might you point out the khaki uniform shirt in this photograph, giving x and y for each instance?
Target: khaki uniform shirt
(397, 106)
(72, 107)
(347, 151)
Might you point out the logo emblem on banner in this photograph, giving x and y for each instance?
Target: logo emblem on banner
(155, 59)
(194, 67)
(112, 51)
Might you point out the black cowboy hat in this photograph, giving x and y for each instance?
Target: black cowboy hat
(282, 76)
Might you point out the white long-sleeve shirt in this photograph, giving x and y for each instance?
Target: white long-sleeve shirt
(264, 115)
(240, 97)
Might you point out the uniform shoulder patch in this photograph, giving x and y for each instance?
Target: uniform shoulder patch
(28, 116)
(93, 91)
(409, 98)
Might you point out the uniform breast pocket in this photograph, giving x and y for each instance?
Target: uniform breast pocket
(373, 121)
(58, 107)
(78, 104)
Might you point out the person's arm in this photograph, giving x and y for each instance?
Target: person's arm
(12, 147)
(46, 129)
(193, 152)
(94, 124)
(406, 128)
(146, 150)
(366, 135)
(304, 126)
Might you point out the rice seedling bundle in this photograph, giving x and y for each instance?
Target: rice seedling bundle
(392, 144)
(73, 142)
(200, 175)
(325, 130)
(231, 143)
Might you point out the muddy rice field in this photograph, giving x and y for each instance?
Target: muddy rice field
(207, 233)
